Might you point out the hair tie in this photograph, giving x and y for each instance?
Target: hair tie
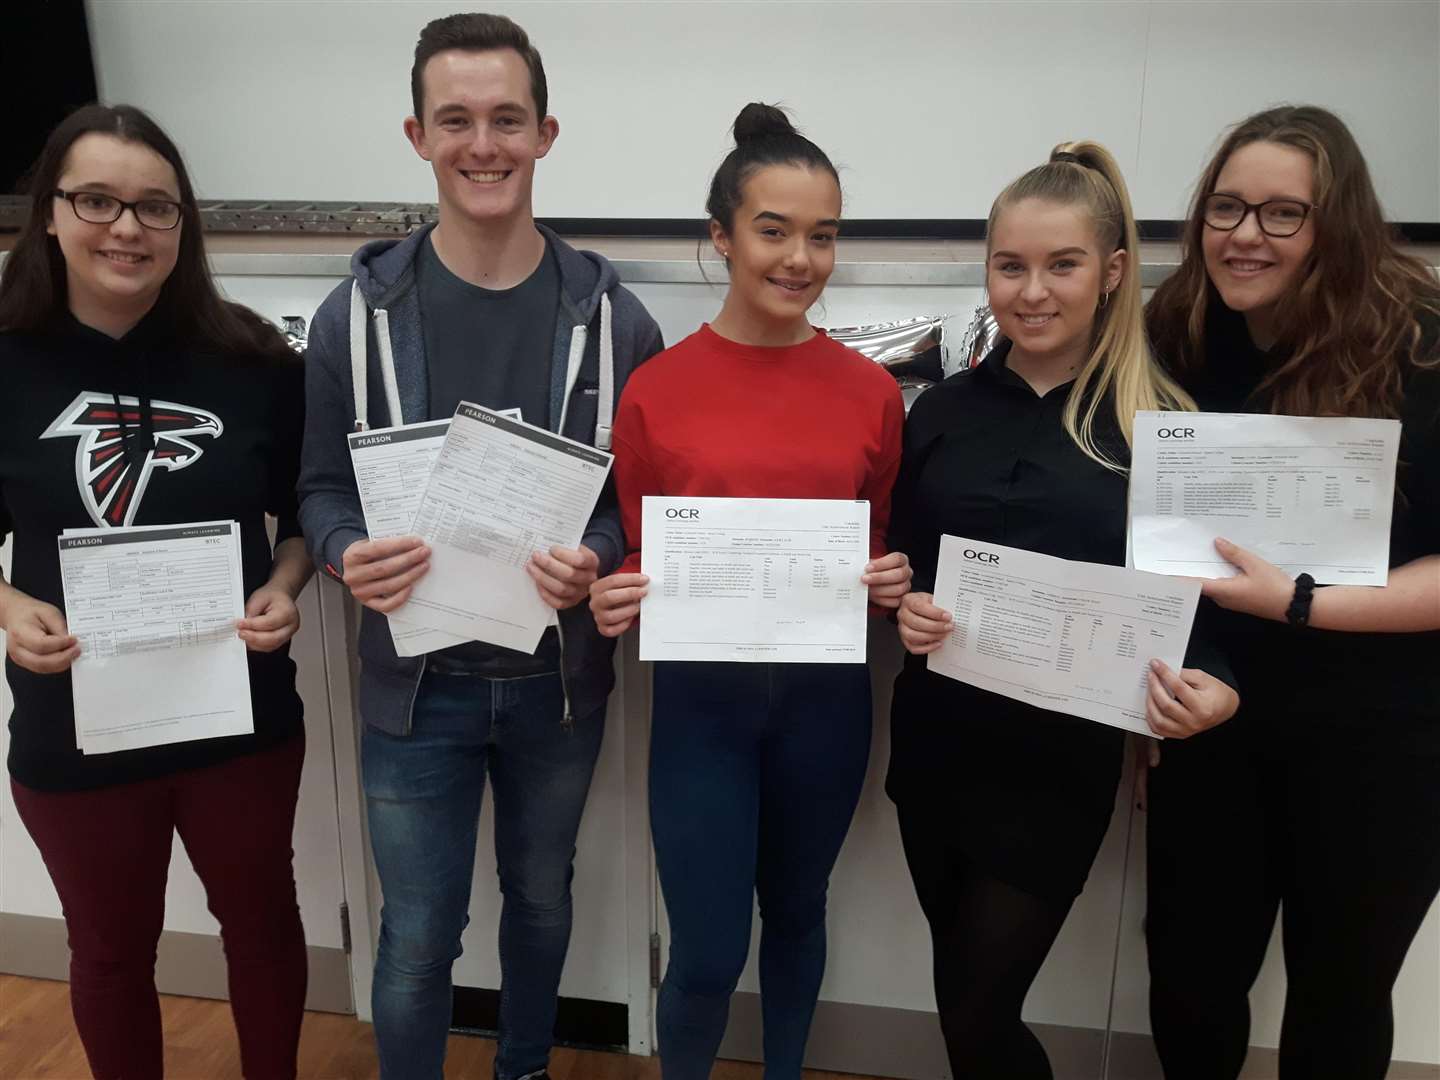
(1066, 155)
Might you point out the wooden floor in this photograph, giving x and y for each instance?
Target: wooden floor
(38, 1042)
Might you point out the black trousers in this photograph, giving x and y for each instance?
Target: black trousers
(1338, 832)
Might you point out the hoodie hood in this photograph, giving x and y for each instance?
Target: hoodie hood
(384, 270)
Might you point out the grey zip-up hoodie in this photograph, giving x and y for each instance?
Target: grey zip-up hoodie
(592, 302)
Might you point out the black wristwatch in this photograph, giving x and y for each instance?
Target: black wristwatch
(1298, 613)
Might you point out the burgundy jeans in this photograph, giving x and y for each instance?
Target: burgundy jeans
(108, 853)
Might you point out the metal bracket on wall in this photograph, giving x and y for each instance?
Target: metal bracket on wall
(280, 216)
(392, 218)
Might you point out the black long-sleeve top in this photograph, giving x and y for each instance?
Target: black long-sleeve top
(987, 458)
(1030, 791)
(1309, 683)
(220, 440)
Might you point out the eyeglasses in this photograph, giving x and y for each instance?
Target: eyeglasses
(100, 209)
(1276, 217)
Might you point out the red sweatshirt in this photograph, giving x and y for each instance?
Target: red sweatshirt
(712, 418)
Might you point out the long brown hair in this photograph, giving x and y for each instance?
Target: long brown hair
(1119, 366)
(32, 287)
(1350, 326)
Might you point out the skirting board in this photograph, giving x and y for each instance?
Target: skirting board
(189, 964)
(906, 1044)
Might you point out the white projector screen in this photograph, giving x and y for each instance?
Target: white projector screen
(929, 108)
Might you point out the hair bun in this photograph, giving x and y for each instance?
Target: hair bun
(760, 121)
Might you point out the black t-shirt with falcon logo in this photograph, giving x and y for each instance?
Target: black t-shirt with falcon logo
(96, 432)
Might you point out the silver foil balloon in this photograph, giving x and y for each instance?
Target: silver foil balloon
(905, 347)
(911, 388)
(912, 350)
(979, 338)
(295, 331)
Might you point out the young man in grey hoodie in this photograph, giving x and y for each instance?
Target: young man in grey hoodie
(487, 307)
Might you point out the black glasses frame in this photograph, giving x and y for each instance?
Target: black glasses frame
(133, 207)
(1255, 208)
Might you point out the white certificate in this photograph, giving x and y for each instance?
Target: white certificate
(1073, 637)
(754, 579)
(1308, 494)
(154, 608)
(392, 468)
(499, 490)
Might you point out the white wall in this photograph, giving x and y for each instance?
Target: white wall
(928, 107)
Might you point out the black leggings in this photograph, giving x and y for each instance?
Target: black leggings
(1346, 834)
(989, 940)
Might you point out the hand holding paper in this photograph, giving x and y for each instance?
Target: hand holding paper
(1258, 588)
(379, 572)
(36, 636)
(271, 619)
(923, 625)
(1187, 702)
(888, 579)
(615, 602)
(563, 575)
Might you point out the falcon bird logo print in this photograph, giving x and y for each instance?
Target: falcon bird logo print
(111, 485)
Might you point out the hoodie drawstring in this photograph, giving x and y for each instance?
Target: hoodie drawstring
(387, 366)
(605, 400)
(578, 336)
(605, 391)
(360, 387)
(359, 356)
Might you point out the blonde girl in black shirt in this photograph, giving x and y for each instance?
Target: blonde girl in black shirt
(135, 395)
(1003, 805)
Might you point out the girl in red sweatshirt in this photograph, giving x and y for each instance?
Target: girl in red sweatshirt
(755, 768)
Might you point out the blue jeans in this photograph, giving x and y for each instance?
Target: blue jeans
(755, 771)
(422, 793)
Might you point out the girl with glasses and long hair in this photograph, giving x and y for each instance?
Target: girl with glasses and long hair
(1003, 804)
(755, 768)
(1321, 799)
(136, 395)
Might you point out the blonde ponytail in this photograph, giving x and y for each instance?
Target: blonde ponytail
(1120, 365)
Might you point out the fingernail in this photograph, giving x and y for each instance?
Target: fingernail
(1155, 665)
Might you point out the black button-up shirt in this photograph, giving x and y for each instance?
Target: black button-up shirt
(987, 458)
